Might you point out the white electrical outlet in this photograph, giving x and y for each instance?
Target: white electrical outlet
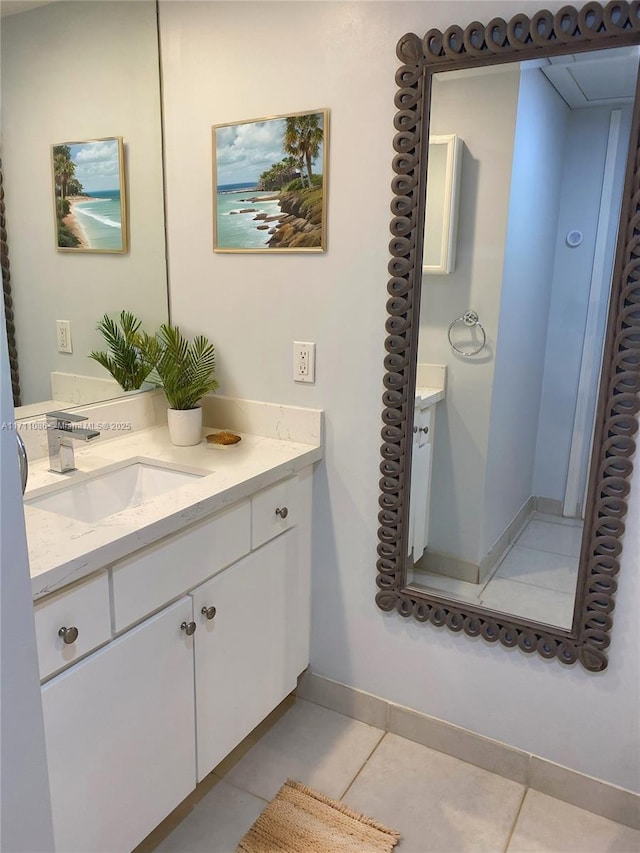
(304, 362)
(63, 335)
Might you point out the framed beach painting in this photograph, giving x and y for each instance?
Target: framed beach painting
(89, 195)
(270, 184)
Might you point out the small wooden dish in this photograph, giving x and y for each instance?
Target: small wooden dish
(222, 440)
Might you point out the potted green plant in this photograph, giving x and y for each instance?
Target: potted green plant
(185, 370)
(126, 358)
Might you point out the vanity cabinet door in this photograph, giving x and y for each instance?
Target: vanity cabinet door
(245, 657)
(120, 736)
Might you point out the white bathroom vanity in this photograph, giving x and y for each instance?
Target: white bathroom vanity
(169, 629)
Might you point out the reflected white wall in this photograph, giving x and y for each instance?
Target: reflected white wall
(530, 249)
(481, 107)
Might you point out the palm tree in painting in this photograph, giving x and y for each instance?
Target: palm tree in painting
(63, 167)
(279, 174)
(302, 139)
(64, 170)
(294, 165)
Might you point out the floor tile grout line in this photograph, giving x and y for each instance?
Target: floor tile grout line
(557, 518)
(517, 818)
(529, 583)
(546, 551)
(364, 764)
(541, 551)
(244, 790)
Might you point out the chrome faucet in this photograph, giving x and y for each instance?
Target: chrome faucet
(60, 436)
(24, 462)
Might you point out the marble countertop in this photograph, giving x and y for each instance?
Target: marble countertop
(63, 550)
(426, 396)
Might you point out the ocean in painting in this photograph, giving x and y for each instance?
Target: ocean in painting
(236, 230)
(100, 218)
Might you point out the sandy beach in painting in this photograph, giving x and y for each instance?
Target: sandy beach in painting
(95, 219)
(71, 222)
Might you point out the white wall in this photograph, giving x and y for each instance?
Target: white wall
(225, 61)
(75, 71)
(481, 108)
(526, 294)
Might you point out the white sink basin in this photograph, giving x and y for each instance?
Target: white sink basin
(107, 492)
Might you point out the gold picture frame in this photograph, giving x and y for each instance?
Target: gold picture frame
(89, 196)
(268, 192)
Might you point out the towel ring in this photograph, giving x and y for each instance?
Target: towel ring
(469, 318)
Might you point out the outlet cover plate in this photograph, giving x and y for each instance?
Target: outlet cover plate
(304, 361)
(63, 336)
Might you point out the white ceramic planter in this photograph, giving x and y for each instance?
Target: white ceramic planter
(185, 426)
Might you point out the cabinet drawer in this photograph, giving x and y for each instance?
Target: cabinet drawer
(273, 511)
(84, 607)
(149, 579)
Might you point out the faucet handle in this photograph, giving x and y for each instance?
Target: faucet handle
(64, 417)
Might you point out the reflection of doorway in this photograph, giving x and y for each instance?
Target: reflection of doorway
(583, 425)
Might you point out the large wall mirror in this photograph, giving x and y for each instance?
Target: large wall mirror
(73, 72)
(511, 401)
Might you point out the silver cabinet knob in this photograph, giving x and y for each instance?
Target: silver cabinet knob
(283, 512)
(69, 635)
(189, 628)
(209, 612)
(425, 430)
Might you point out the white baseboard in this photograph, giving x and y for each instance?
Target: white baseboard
(542, 775)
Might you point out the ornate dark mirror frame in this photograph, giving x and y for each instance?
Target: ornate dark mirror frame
(570, 30)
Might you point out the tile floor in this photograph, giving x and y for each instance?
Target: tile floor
(535, 579)
(438, 803)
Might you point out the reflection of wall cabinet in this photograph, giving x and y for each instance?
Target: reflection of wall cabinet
(122, 724)
(420, 480)
(444, 166)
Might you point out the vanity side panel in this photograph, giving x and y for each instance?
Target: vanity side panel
(299, 577)
(148, 580)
